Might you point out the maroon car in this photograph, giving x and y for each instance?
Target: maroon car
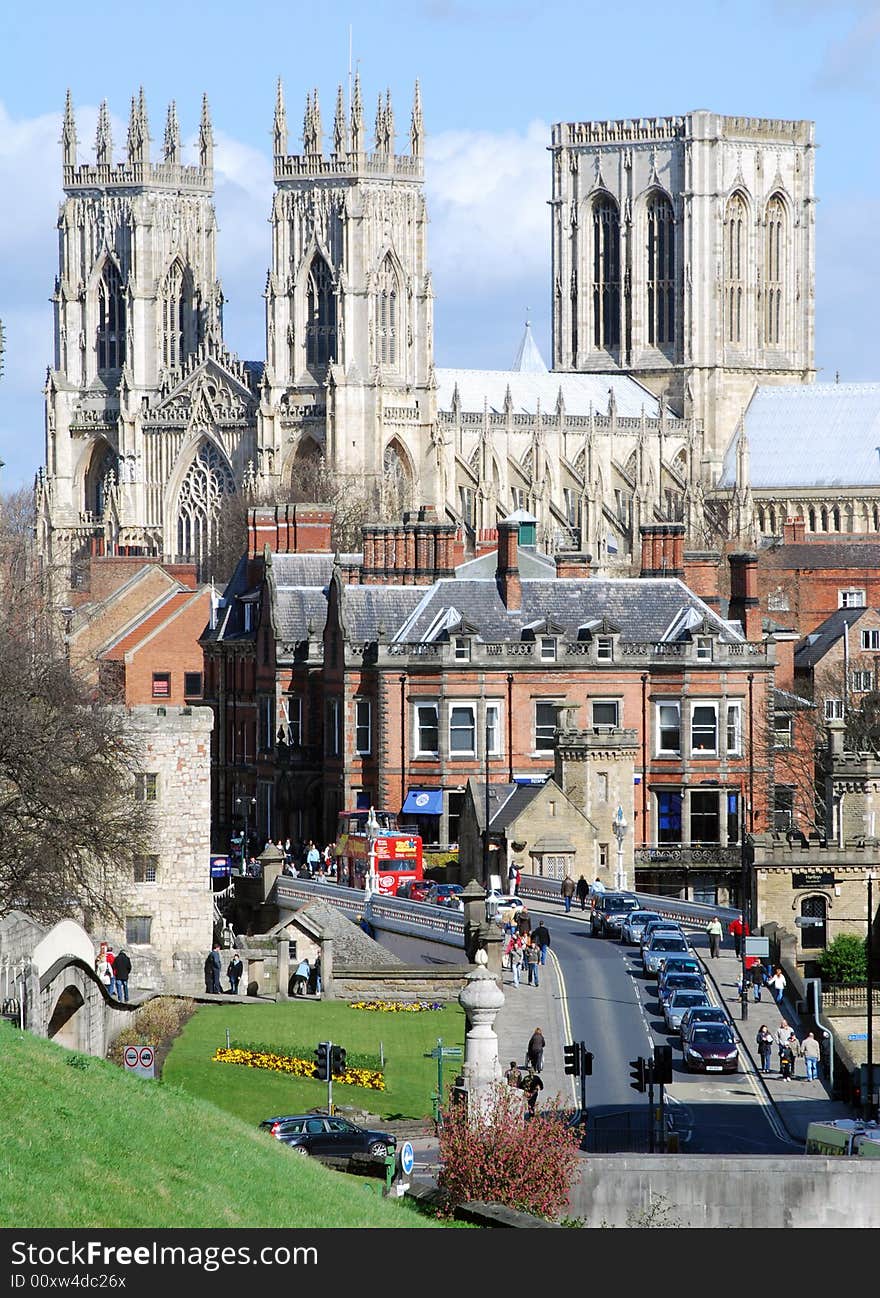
(711, 1048)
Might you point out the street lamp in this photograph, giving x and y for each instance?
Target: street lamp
(868, 1103)
(371, 883)
(245, 805)
(619, 826)
(746, 861)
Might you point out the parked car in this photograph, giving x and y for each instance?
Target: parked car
(662, 944)
(711, 1048)
(633, 923)
(678, 1002)
(606, 904)
(667, 983)
(701, 1016)
(414, 889)
(497, 901)
(310, 1133)
(441, 894)
(653, 925)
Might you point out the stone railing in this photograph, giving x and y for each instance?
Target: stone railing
(689, 854)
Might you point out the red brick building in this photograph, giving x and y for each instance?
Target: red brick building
(801, 583)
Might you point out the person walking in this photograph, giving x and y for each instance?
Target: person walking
(716, 934)
(523, 923)
(111, 960)
(122, 973)
(513, 1076)
(812, 1053)
(533, 960)
(777, 983)
(515, 955)
(102, 968)
(212, 971)
(531, 1086)
(765, 1046)
(234, 970)
(756, 978)
(597, 887)
(582, 889)
(795, 1047)
(737, 930)
(786, 1062)
(541, 935)
(782, 1033)
(315, 984)
(535, 1050)
(313, 859)
(567, 888)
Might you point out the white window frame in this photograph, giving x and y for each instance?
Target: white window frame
(783, 725)
(851, 597)
(461, 649)
(418, 708)
(871, 639)
(660, 727)
(291, 711)
(146, 786)
(146, 865)
(603, 855)
(248, 617)
(493, 726)
(605, 703)
(333, 737)
(704, 648)
(862, 681)
(833, 709)
(547, 650)
(605, 649)
(733, 729)
(542, 703)
(704, 752)
(462, 705)
(363, 708)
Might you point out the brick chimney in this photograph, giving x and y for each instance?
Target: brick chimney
(289, 529)
(702, 572)
(507, 570)
(416, 552)
(744, 606)
(662, 550)
(793, 530)
(571, 564)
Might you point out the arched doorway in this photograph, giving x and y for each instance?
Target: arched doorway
(64, 1025)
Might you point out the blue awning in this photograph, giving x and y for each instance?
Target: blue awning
(423, 802)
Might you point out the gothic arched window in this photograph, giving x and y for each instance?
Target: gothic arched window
(397, 484)
(735, 228)
(176, 307)
(661, 271)
(606, 273)
(320, 316)
(111, 319)
(387, 324)
(811, 515)
(102, 473)
(774, 272)
(208, 481)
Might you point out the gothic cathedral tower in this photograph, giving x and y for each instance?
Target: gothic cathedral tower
(149, 421)
(683, 254)
(349, 347)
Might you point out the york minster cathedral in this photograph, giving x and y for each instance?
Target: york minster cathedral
(681, 384)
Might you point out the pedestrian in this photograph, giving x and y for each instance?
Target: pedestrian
(515, 955)
(812, 1053)
(234, 970)
(102, 968)
(122, 973)
(364, 924)
(301, 977)
(523, 922)
(535, 1050)
(313, 857)
(212, 971)
(786, 1062)
(533, 960)
(737, 929)
(777, 982)
(531, 1086)
(765, 1046)
(756, 977)
(513, 1076)
(597, 887)
(582, 889)
(541, 935)
(315, 984)
(111, 960)
(716, 935)
(795, 1047)
(782, 1033)
(513, 880)
(567, 888)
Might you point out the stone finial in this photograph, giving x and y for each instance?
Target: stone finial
(206, 137)
(68, 133)
(379, 130)
(339, 133)
(357, 117)
(104, 137)
(317, 133)
(172, 134)
(389, 122)
(417, 129)
(280, 125)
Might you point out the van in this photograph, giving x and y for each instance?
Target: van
(843, 1136)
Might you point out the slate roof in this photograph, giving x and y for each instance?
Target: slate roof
(302, 569)
(352, 948)
(822, 554)
(582, 393)
(810, 435)
(643, 609)
(813, 648)
(528, 358)
(530, 563)
(367, 608)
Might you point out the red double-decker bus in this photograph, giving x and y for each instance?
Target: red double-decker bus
(397, 855)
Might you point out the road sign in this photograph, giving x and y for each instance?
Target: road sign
(759, 946)
(146, 1057)
(132, 1057)
(857, 1036)
(140, 1060)
(407, 1158)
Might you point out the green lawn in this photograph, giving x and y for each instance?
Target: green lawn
(83, 1144)
(253, 1094)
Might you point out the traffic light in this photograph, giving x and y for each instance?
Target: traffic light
(663, 1064)
(586, 1062)
(337, 1060)
(322, 1061)
(572, 1056)
(637, 1072)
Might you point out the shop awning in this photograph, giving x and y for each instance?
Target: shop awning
(423, 802)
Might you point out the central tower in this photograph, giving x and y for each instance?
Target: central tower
(349, 342)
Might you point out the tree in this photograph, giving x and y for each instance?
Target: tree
(845, 960)
(494, 1156)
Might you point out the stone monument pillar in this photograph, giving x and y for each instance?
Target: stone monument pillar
(474, 900)
(481, 998)
(283, 968)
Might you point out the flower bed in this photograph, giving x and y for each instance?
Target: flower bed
(275, 1062)
(395, 1007)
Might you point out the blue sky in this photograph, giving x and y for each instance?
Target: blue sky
(494, 77)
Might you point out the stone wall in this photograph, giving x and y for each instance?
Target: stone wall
(399, 984)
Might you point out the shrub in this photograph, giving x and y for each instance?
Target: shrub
(844, 960)
(154, 1023)
(495, 1156)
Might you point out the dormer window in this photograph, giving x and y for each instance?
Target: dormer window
(462, 649)
(548, 649)
(704, 648)
(248, 617)
(604, 648)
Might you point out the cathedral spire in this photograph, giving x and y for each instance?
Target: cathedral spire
(172, 134)
(389, 122)
(417, 129)
(380, 144)
(357, 117)
(206, 137)
(317, 133)
(135, 136)
(339, 139)
(68, 133)
(280, 127)
(104, 137)
(145, 124)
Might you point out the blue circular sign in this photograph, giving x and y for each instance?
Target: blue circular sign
(407, 1158)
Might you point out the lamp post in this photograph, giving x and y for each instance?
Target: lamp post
(245, 805)
(486, 838)
(746, 858)
(619, 827)
(371, 883)
(868, 1103)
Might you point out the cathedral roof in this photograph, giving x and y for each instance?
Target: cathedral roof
(810, 435)
(528, 359)
(583, 394)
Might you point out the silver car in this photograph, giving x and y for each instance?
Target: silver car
(662, 944)
(633, 924)
(678, 1002)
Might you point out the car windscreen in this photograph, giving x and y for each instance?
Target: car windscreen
(669, 944)
(687, 998)
(681, 964)
(713, 1036)
(683, 982)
